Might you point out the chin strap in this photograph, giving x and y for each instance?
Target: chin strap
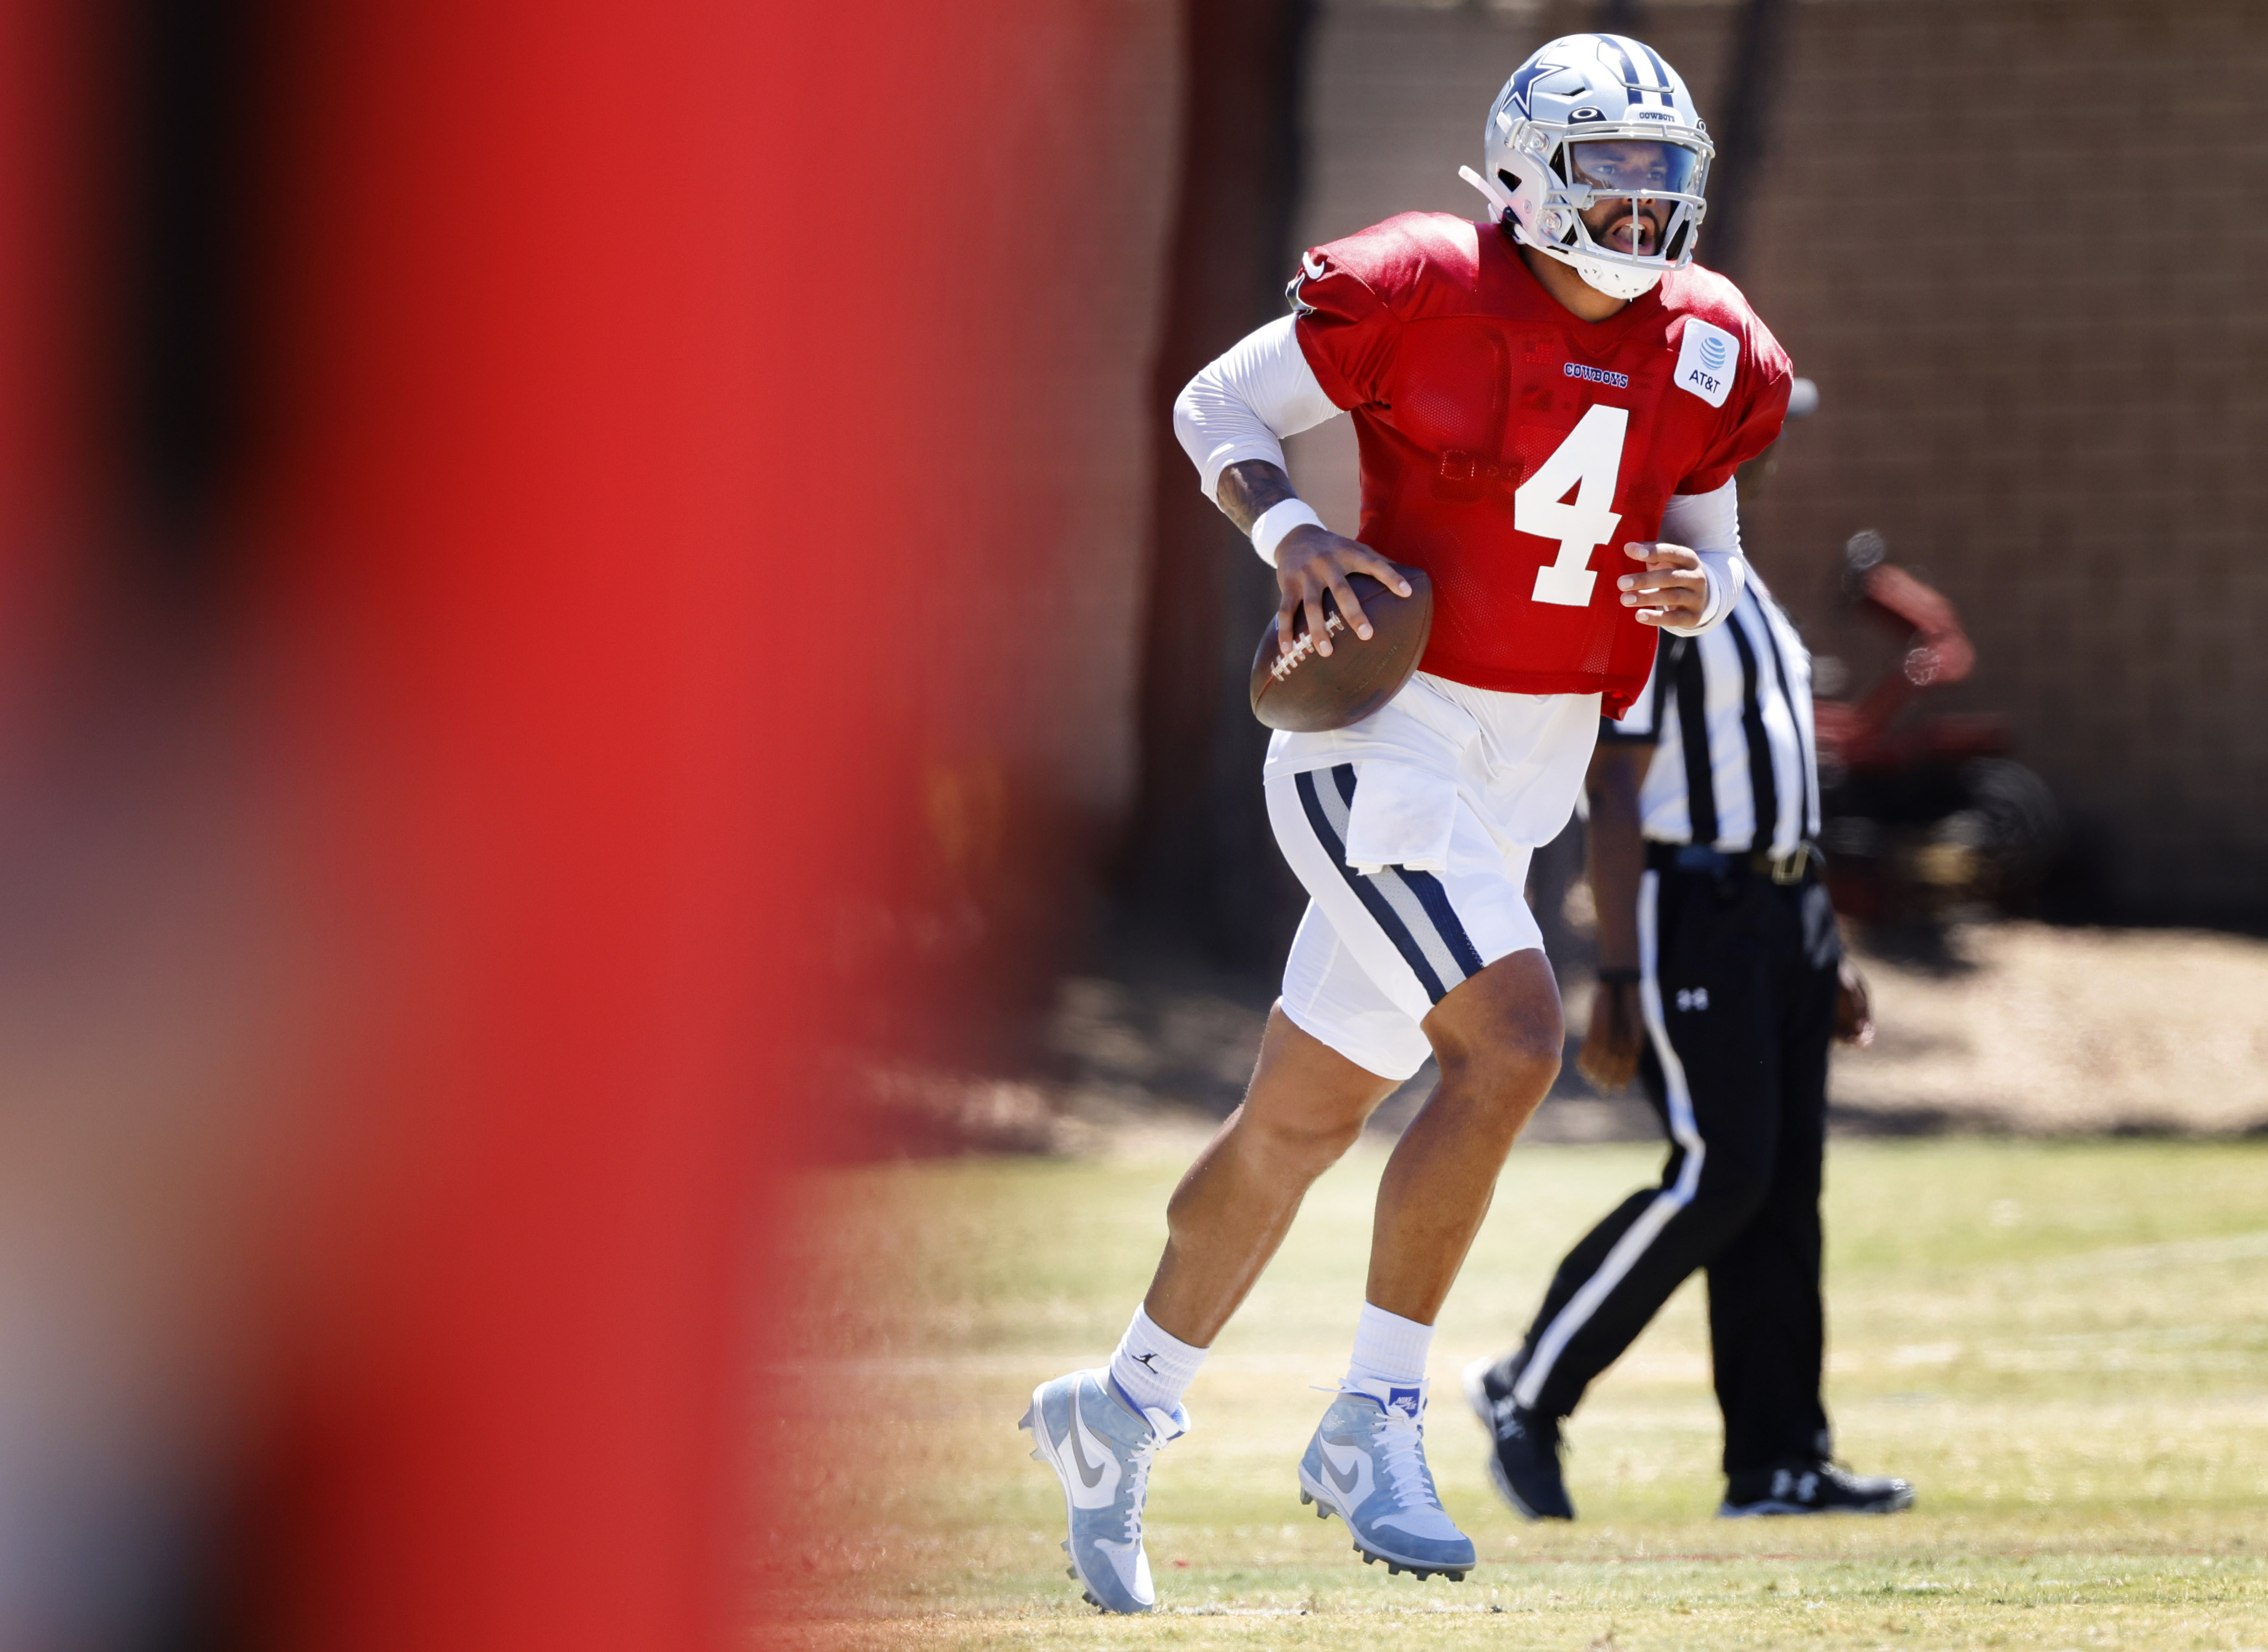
(1615, 281)
(1495, 193)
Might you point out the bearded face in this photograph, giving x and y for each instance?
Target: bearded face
(1629, 180)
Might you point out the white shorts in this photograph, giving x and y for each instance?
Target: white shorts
(1378, 949)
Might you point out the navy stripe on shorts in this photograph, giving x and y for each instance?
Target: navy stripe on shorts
(1411, 908)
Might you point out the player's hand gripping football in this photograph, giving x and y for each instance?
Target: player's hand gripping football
(1312, 560)
(1672, 590)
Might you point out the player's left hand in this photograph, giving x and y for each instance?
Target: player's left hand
(1674, 589)
(1854, 1016)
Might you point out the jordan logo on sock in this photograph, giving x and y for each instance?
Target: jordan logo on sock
(1144, 1360)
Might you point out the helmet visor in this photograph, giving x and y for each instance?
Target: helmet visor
(1633, 167)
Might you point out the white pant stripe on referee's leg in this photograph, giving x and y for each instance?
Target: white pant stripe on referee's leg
(1667, 1203)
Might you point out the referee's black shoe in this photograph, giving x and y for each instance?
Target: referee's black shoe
(1525, 1463)
(1814, 1486)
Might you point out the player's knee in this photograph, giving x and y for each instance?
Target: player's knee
(1514, 1056)
(1510, 1079)
(1526, 1065)
(1303, 1145)
(1499, 1033)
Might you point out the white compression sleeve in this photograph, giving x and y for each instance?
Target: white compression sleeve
(1709, 524)
(1242, 405)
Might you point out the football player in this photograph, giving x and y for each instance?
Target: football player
(1550, 404)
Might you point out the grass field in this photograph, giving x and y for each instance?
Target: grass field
(2066, 1347)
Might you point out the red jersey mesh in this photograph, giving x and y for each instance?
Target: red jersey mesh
(1465, 378)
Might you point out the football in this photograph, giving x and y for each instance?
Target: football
(1305, 691)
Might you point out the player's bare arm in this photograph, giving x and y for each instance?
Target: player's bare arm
(1310, 560)
(1673, 588)
(1617, 858)
(1249, 491)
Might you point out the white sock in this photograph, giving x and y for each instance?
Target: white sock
(1389, 1348)
(1154, 1369)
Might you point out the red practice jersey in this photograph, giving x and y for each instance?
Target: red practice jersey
(1511, 449)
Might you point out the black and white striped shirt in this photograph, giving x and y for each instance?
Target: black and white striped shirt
(1729, 715)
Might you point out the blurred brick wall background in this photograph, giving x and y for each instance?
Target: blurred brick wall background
(2014, 241)
(1026, 217)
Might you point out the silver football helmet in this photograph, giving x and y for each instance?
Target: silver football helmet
(1592, 118)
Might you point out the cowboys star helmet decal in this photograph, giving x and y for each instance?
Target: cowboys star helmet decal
(1528, 74)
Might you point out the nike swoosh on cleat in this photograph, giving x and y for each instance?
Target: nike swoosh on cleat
(1091, 1474)
(1346, 1482)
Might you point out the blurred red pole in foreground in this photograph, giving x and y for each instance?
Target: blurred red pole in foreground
(605, 337)
(540, 502)
(624, 486)
(513, 496)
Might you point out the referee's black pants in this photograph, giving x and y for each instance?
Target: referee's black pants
(1738, 981)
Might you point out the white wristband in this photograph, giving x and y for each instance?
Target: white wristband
(1277, 520)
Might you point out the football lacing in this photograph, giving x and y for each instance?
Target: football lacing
(1285, 663)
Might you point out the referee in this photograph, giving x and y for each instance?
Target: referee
(1722, 981)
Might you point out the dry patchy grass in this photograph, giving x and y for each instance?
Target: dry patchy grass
(2062, 1345)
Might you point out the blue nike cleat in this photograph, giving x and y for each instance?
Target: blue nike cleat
(1100, 1449)
(1366, 1464)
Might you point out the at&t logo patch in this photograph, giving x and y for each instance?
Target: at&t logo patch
(1707, 361)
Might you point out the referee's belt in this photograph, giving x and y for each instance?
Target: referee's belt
(1787, 868)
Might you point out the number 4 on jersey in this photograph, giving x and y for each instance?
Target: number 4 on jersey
(1586, 464)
